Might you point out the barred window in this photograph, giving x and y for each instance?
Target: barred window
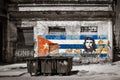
(25, 37)
(57, 30)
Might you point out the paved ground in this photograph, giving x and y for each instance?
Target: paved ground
(75, 77)
(13, 70)
(79, 72)
(13, 73)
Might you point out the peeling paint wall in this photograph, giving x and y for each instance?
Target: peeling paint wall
(74, 34)
(38, 16)
(24, 44)
(68, 8)
(11, 41)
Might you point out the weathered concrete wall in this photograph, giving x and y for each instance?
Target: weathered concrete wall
(73, 34)
(21, 54)
(3, 30)
(117, 25)
(25, 50)
(72, 27)
(26, 23)
(11, 41)
(67, 8)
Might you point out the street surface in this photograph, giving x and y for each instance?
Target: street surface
(107, 71)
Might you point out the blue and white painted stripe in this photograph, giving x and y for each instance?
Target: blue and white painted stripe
(73, 37)
(73, 41)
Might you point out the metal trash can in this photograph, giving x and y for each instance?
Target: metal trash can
(33, 66)
(64, 65)
(47, 65)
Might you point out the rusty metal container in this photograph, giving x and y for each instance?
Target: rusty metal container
(64, 65)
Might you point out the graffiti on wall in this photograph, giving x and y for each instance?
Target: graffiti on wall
(85, 47)
(24, 53)
(86, 40)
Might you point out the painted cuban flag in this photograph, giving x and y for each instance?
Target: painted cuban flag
(71, 44)
(44, 47)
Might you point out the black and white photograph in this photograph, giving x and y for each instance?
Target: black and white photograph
(60, 40)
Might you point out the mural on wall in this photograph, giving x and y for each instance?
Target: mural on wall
(85, 45)
(45, 46)
(90, 45)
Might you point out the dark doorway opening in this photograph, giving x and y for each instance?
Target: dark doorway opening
(25, 44)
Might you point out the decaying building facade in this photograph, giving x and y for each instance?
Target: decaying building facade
(60, 27)
(3, 29)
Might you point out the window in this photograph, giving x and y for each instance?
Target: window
(25, 37)
(57, 30)
(88, 29)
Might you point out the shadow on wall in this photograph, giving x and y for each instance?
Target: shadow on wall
(116, 54)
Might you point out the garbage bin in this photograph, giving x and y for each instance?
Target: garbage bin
(33, 66)
(47, 65)
(64, 65)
